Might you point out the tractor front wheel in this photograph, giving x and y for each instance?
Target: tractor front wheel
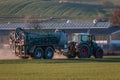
(84, 51)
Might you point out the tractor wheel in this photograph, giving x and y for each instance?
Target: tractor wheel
(49, 52)
(38, 53)
(98, 53)
(84, 51)
(71, 48)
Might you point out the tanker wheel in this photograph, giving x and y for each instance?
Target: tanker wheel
(84, 51)
(71, 48)
(49, 52)
(38, 53)
(98, 53)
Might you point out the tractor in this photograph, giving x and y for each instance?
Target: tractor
(83, 45)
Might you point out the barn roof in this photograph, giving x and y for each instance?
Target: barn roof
(56, 25)
(103, 31)
(99, 28)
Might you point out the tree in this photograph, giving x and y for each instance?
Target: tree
(108, 3)
(102, 18)
(115, 17)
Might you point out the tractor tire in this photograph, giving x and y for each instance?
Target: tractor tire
(49, 52)
(71, 48)
(98, 53)
(38, 53)
(84, 51)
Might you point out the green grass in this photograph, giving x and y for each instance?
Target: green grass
(39, 8)
(72, 69)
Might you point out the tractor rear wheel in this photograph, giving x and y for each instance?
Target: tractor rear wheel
(98, 53)
(49, 52)
(38, 53)
(84, 51)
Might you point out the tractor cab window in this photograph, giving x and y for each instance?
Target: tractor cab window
(85, 38)
(76, 38)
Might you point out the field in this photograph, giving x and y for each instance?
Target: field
(83, 10)
(107, 68)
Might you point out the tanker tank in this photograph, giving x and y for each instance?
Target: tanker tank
(38, 43)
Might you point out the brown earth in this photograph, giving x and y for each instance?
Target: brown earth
(6, 53)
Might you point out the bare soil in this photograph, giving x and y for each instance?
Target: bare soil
(6, 53)
(59, 56)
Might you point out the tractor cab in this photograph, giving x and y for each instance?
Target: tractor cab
(86, 38)
(83, 37)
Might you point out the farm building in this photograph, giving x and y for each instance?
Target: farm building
(107, 36)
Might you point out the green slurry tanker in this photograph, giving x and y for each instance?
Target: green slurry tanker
(44, 45)
(38, 45)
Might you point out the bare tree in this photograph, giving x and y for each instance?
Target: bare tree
(108, 3)
(102, 18)
(115, 17)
